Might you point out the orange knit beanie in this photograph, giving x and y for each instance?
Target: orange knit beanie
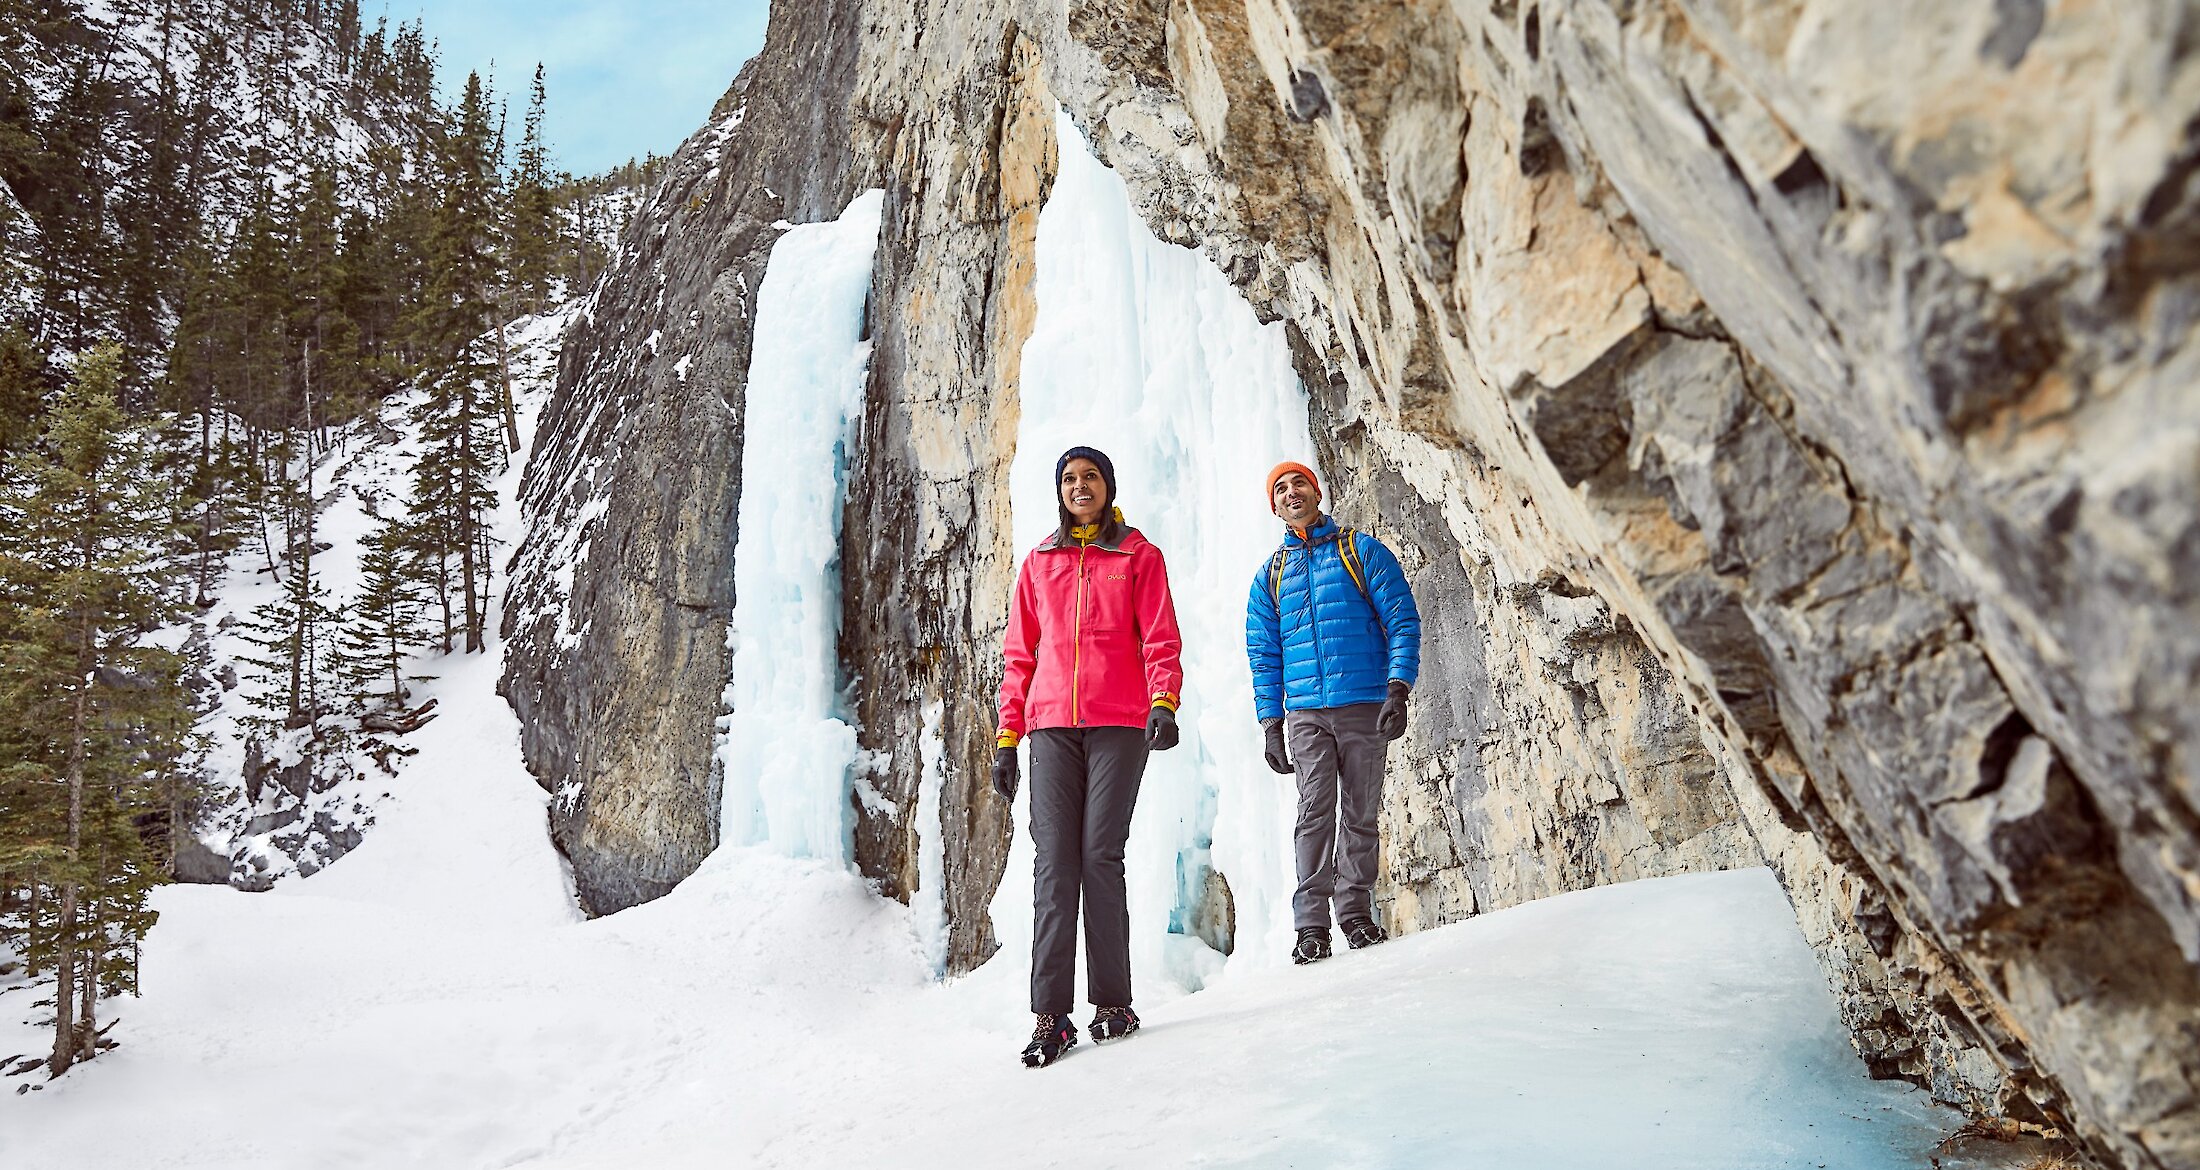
(1286, 468)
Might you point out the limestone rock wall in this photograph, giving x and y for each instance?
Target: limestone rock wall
(964, 134)
(1844, 351)
(1549, 749)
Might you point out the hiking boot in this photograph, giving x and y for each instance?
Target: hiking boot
(1361, 932)
(1313, 945)
(1053, 1036)
(1113, 1023)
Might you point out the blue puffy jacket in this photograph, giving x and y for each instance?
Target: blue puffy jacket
(1318, 641)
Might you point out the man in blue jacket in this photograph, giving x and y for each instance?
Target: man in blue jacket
(1335, 643)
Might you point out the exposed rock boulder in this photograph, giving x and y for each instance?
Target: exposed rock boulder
(196, 864)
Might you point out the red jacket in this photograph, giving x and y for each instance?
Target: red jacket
(1092, 638)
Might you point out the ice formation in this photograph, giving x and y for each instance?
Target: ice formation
(784, 748)
(1146, 351)
(928, 902)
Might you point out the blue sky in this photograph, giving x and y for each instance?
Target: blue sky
(624, 78)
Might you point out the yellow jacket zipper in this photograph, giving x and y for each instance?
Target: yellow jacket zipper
(1077, 637)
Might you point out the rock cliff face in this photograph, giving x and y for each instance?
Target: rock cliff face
(623, 586)
(963, 128)
(1782, 408)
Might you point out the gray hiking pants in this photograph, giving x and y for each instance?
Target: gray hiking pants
(1084, 782)
(1338, 755)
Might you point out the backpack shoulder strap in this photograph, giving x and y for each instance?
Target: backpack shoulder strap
(1348, 547)
(1275, 577)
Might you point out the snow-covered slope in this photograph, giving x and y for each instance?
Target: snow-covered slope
(271, 818)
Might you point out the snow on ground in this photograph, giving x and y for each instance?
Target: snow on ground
(772, 1012)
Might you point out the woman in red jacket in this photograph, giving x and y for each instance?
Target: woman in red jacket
(1092, 679)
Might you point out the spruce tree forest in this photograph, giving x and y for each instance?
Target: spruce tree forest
(231, 231)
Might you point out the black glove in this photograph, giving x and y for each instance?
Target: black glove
(1004, 773)
(1160, 728)
(1392, 722)
(1279, 761)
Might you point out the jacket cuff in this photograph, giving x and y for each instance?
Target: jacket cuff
(1167, 699)
(1006, 738)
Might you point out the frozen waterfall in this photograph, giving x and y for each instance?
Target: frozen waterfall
(784, 748)
(1147, 352)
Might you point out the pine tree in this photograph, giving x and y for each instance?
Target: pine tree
(120, 863)
(384, 626)
(374, 55)
(412, 209)
(346, 35)
(330, 360)
(155, 213)
(175, 753)
(213, 481)
(82, 571)
(294, 631)
(456, 416)
(453, 493)
(534, 238)
(412, 64)
(68, 197)
(22, 388)
(381, 242)
(259, 287)
(587, 256)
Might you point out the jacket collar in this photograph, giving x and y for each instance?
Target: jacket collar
(1124, 535)
(1324, 531)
